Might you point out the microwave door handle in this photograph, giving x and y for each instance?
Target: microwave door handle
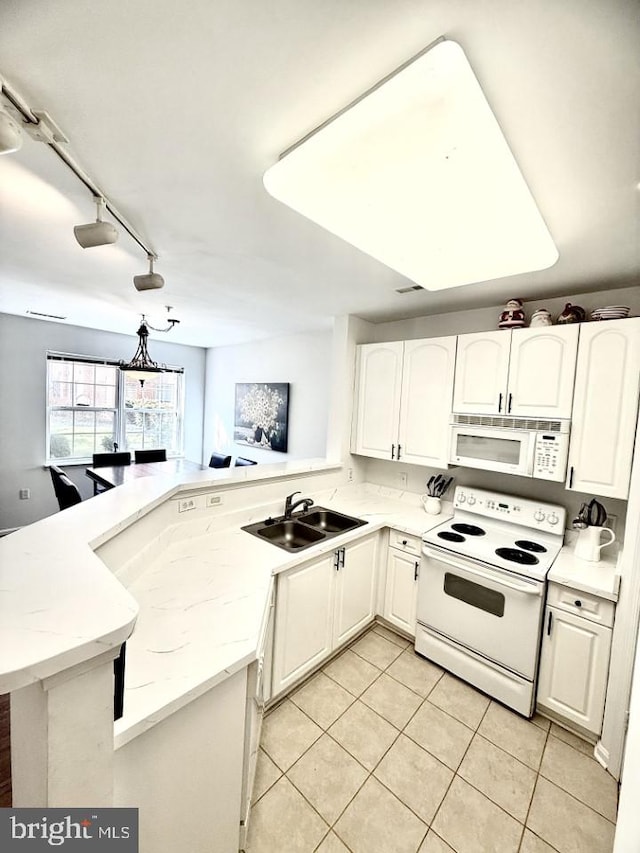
(528, 589)
(531, 452)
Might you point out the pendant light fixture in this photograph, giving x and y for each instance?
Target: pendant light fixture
(149, 281)
(96, 233)
(142, 361)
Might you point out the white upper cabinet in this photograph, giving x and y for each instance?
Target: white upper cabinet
(541, 371)
(425, 405)
(524, 372)
(482, 368)
(379, 379)
(605, 408)
(403, 400)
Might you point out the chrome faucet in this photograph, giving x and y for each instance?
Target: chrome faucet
(289, 506)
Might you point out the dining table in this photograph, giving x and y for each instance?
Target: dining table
(110, 476)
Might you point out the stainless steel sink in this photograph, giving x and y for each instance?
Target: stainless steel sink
(304, 529)
(330, 521)
(290, 534)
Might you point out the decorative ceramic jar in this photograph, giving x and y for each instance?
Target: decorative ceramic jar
(513, 315)
(541, 317)
(572, 314)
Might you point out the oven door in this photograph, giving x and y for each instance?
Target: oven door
(494, 613)
(493, 449)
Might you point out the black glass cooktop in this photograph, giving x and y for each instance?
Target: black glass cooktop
(517, 556)
(536, 547)
(468, 529)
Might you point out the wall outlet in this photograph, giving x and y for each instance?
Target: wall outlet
(403, 478)
(186, 504)
(214, 500)
(25, 494)
(349, 475)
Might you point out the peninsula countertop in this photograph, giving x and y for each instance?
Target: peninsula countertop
(203, 603)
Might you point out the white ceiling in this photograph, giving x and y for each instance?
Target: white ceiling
(177, 109)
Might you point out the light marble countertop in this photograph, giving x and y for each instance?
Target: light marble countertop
(59, 604)
(601, 579)
(204, 601)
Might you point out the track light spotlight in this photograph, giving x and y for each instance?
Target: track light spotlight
(96, 233)
(149, 281)
(10, 133)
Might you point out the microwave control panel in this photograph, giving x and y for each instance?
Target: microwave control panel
(550, 456)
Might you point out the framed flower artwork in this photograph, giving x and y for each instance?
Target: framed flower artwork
(262, 415)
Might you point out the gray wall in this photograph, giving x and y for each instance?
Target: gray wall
(305, 361)
(23, 346)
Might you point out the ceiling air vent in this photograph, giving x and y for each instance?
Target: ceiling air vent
(48, 316)
(409, 289)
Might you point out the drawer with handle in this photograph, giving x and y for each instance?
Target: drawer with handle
(405, 542)
(584, 604)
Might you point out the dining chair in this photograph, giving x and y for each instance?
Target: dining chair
(67, 492)
(219, 460)
(240, 460)
(105, 460)
(158, 455)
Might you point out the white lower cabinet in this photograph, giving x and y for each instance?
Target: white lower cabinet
(574, 661)
(401, 588)
(321, 605)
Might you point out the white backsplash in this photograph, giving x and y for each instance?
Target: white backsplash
(389, 473)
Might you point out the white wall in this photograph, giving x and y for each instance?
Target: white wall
(23, 346)
(305, 361)
(484, 319)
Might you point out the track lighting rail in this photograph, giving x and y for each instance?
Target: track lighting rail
(49, 137)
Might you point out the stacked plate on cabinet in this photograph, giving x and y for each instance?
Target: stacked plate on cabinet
(610, 312)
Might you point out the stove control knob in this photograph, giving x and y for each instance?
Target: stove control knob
(461, 498)
(553, 518)
(471, 500)
(539, 515)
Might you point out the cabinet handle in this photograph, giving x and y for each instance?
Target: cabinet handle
(343, 556)
(398, 453)
(393, 450)
(549, 622)
(405, 542)
(571, 477)
(500, 403)
(336, 561)
(577, 602)
(415, 571)
(510, 401)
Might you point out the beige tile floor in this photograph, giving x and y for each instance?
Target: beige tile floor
(383, 752)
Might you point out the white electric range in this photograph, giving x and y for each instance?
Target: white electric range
(482, 588)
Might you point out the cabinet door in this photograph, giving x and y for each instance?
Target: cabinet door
(605, 408)
(541, 371)
(482, 366)
(379, 376)
(401, 593)
(425, 403)
(304, 620)
(574, 663)
(355, 589)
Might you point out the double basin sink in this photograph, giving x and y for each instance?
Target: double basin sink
(303, 529)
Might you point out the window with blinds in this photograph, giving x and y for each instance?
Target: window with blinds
(92, 405)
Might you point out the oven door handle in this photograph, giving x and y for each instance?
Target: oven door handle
(528, 589)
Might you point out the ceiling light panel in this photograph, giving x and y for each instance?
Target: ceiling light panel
(418, 174)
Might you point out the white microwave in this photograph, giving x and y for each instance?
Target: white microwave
(528, 447)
